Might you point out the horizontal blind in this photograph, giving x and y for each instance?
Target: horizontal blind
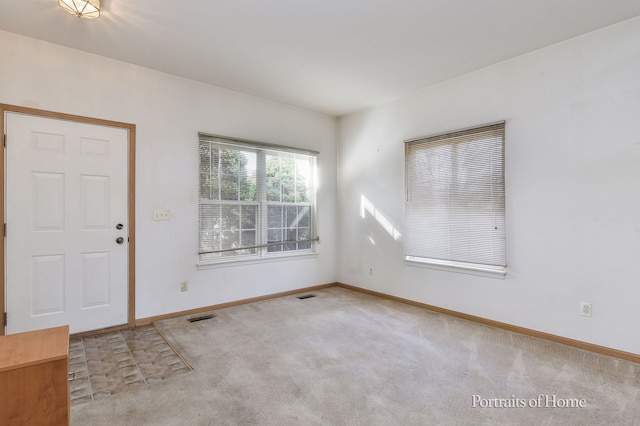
(254, 196)
(228, 203)
(455, 207)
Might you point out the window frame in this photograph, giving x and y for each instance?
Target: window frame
(263, 246)
(412, 256)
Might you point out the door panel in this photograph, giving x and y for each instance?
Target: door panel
(47, 284)
(66, 190)
(95, 197)
(48, 201)
(95, 279)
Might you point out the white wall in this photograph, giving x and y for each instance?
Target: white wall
(168, 112)
(573, 189)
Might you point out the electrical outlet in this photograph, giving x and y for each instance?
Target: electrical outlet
(184, 286)
(585, 309)
(161, 214)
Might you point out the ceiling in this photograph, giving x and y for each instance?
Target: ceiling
(330, 56)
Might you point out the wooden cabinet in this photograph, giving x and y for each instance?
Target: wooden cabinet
(34, 389)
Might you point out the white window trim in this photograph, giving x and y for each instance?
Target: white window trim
(263, 255)
(256, 259)
(461, 267)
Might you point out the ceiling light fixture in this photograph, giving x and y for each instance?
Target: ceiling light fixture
(81, 8)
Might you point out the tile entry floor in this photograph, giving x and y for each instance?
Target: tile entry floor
(119, 361)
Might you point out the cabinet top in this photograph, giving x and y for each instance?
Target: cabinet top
(33, 347)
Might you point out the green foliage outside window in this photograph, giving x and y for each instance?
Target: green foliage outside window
(230, 204)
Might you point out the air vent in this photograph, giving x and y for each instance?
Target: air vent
(306, 296)
(202, 318)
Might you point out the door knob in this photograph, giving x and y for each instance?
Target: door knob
(119, 240)
(119, 226)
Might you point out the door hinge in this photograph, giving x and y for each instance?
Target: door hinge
(5, 319)
(4, 142)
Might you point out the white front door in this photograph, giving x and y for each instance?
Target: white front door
(66, 210)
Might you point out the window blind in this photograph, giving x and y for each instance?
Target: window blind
(455, 197)
(254, 199)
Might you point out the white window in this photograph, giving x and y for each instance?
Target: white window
(256, 200)
(455, 206)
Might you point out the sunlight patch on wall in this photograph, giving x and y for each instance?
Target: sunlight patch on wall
(367, 206)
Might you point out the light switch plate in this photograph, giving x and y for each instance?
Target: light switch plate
(161, 214)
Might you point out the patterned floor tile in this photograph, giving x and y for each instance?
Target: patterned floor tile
(120, 361)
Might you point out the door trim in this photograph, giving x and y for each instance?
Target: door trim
(4, 108)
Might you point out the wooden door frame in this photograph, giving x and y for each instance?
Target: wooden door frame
(131, 128)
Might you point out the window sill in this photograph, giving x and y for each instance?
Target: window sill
(459, 267)
(254, 260)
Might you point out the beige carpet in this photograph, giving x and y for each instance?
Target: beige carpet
(344, 358)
